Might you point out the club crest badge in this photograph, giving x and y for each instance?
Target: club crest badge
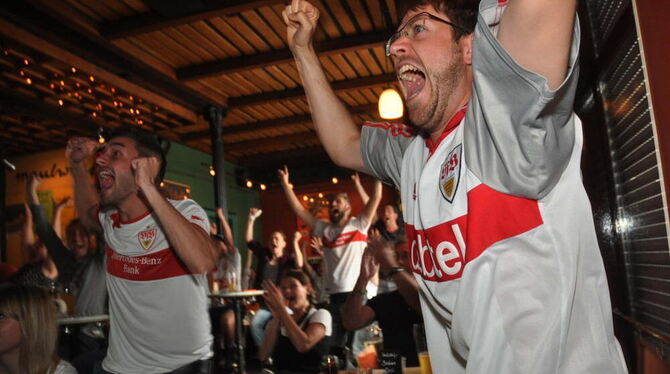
(450, 173)
(147, 237)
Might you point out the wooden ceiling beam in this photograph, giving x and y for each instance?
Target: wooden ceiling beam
(282, 157)
(270, 124)
(154, 20)
(299, 92)
(282, 56)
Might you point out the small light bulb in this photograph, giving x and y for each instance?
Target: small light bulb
(305, 198)
(73, 69)
(211, 171)
(335, 180)
(249, 184)
(263, 187)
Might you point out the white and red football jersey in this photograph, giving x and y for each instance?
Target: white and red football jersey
(342, 253)
(158, 310)
(502, 237)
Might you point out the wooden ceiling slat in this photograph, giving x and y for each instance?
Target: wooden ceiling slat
(137, 5)
(244, 30)
(273, 17)
(371, 64)
(281, 56)
(341, 17)
(359, 66)
(102, 10)
(327, 24)
(146, 55)
(157, 48)
(171, 46)
(93, 16)
(208, 32)
(263, 28)
(152, 21)
(361, 12)
(373, 6)
(187, 44)
(195, 36)
(344, 66)
(281, 76)
(268, 142)
(260, 84)
(240, 43)
(118, 8)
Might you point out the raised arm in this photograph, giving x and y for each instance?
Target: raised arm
(227, 232)
(356, 314)
(58, 213)
(293, 201)
(191, 243)
(299, 258)
(370, 209)
(78, 152)
(335, 127)
(538, 34)
(359, 188)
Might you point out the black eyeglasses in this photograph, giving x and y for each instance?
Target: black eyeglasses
(416, 25)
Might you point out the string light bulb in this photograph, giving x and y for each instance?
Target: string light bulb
(390, 104)
(212, 172)
(335, 180)
(249, 183)
(263, 187)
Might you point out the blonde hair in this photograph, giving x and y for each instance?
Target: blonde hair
(33, 309)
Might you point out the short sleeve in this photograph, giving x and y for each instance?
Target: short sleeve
(519, 134)
(323, 317)
(383, 145)
(193, 213)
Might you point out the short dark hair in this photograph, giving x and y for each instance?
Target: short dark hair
(148, 145)
(461, 12)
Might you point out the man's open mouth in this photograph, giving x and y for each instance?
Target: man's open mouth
(412, 79)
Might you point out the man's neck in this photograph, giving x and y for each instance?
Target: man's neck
(461, 96)
(392, 226)
(132, 207)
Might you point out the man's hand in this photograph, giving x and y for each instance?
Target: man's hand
(145, 170)
(300, 17)
(254, 213)
(356, 178)
(382, 250)
(80, 149)
(273, 297)
(297, 236)
(283, 176)
(369, 266)
(61, 204)
(317, 244)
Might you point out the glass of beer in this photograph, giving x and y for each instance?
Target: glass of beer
(422, 348)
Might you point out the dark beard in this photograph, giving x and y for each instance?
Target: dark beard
(335, 217)
(430, 119)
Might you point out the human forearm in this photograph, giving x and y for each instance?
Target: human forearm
(334, 125)
(58, 252)
(355, 314)
(297, 207)
(269, 340)
(190, 242)
(299, 259)
(302, 340)
(369, 212)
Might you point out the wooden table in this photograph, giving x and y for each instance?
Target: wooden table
(236, 298)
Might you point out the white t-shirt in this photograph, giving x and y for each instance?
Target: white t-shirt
(158, 310)
(503, 244)
(342, 253)
(314, 315)
(64, 367)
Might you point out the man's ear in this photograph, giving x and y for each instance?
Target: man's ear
(466, 46)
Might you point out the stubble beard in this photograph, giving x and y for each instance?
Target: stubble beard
(443, 84)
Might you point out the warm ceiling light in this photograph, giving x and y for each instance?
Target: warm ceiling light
(250, 184)
(305, 198)
(320, 195)
(60, 102)
(211, 171)
(335, 180)
(74, 69)
(290, 185)
(390, 104)
(263, 187)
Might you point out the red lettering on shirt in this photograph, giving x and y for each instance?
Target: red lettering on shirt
(157, 265)
(345, 238)
(394, 128)
(441, 252)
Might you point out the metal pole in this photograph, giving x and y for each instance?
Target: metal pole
(215, 116)
(3, 212)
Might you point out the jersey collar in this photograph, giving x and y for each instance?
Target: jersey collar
(451, 126)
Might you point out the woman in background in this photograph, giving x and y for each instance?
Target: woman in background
(298, 336)
(28, 332)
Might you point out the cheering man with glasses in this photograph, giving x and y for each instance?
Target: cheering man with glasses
(503, 244)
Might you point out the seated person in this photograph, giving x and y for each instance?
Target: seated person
(396, 311)
(272, 261)
(298, 336)
(28, 332)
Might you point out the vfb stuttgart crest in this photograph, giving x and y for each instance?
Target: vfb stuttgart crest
(450, 173)
(147, 237)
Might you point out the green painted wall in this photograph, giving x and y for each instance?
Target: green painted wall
(191, 167)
